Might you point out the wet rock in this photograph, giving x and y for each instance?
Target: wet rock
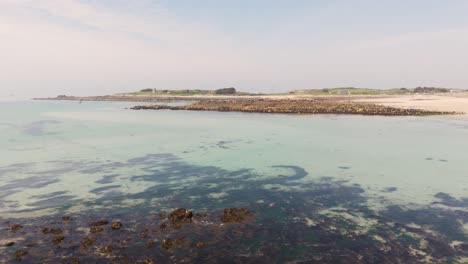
(232, 215)
(170, 243)
(150, 244)
(15, 227)
(54, 231)
(20, 253)
(58, 239)
(181, 216)
(116, 225)
(144, 233)
(162, 215)
(9, 244)
(86, 242)
(96, 229)
(106, 250)
(99, 223)
(200, 215)
(148, 261)
(199, 244)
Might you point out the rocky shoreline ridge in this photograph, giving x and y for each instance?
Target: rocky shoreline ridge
(299, 106)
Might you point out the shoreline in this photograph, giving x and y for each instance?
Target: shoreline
(385, 105)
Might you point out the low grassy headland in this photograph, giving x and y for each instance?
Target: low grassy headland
(368, 91)
(414, 101)
(188, 92)
(298, 106)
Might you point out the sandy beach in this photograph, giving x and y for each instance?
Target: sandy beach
(453, 102)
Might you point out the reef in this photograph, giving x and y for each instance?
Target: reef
(297, 106)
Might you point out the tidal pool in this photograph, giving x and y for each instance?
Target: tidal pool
(319, 189)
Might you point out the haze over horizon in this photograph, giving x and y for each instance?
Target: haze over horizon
(94, 47)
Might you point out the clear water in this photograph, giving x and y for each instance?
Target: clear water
(70, 157)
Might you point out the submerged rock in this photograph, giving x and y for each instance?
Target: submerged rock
(15, 227)
(96, 229)
(116, 225)
(232, 215)
(99, 223)
(54, 231)
(87, 242)
(170, 243)
(106, 250)
(58, 239)
(199, 244)
(148, 261)
(9, 244)
(20, 253)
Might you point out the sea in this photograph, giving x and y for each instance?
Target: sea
(317, 188)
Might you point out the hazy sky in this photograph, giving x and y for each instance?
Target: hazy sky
(50, 47)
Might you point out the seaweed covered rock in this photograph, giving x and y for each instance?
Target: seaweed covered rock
(106, 249)
(99, 223)
(87, 242)
(15, 227)
(171, 243)
(19, 254)
(54, 231)
(96, 229)
(58, 239)
(116, 225)
(180, 216)
(233, 215)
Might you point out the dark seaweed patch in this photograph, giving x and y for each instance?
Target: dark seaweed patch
(56, 201)
(390, 189)
(344, 167)
(104, 189)
(107, 179)
(447, 199)
(314, 225)
(49, 195)
(38, 128)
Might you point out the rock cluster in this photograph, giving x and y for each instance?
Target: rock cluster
(286, 106)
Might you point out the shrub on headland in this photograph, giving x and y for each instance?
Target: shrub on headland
(230, 90)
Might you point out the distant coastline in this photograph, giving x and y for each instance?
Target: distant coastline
(405, 102)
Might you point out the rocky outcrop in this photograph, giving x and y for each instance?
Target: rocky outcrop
(302, 106)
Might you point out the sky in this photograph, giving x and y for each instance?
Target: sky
(96, 47)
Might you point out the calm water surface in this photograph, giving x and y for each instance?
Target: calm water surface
(379, 189)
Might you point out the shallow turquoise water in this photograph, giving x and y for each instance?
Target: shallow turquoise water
(69, 157)
(418, 156)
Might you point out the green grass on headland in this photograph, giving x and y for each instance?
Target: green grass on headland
(326, 91)
(222, 91)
